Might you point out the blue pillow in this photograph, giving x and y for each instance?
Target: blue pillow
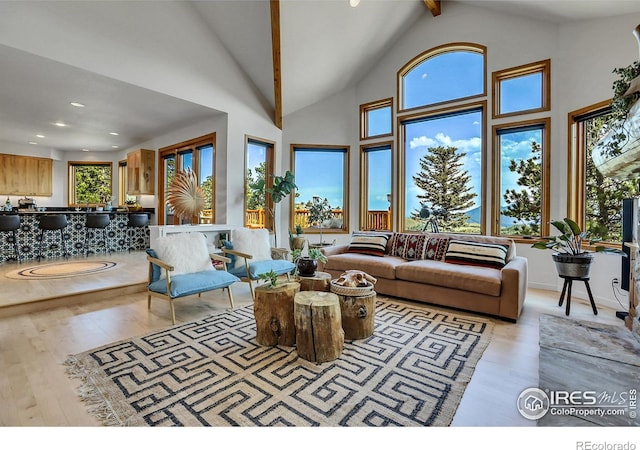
(156, 270)
(229, 245)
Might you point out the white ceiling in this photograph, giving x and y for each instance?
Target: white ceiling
(326, 46)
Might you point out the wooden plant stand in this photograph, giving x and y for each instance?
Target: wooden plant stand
(358, 315)
(319, 335)
(321, 281)
(273, 311)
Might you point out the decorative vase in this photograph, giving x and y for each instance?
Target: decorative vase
(297, 243)
(307, 266)
(574, 266)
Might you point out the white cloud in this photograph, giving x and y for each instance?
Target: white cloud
(424, 75)
(468, 146)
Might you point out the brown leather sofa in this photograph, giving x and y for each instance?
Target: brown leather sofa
(492, 291)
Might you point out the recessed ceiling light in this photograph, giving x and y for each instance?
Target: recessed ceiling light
(85, 149)
(33, 143)
(77, 105)
(60, 124)
(41, 136)
(113, 133)
(354, 3)
(115, 146)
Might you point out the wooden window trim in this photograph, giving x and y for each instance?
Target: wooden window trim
(402, 170)
(497, 77)
(546, 174)
(364, 180)
(270, 170)
(435, 51)
(365, 108)
(345, 208)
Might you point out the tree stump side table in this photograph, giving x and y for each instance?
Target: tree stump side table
(319, 335)
(358, 315)
(320, 281)
(273, 311)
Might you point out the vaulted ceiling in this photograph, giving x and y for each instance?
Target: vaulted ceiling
(324, 47)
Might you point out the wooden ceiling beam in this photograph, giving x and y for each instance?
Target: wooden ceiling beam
(275, 50)
(434, 7)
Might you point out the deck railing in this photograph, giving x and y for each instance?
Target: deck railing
(376, 219)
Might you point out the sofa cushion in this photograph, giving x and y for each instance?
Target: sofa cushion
(368, 243)
(435, 248)
(253, 242)
(256, 268)
(478, 279)
(373, 265)
(476, 254)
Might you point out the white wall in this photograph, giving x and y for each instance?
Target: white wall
(582, 54)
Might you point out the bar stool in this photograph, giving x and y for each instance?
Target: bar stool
(53, 222)
(135, 221)
(11, 223)
(96, 222)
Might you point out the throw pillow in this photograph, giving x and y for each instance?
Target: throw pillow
(253, 242)
(368, 243)
(436, 248)
(398, 245)
(229, 246)
(414, 247)
(186, 252)
(476, 254)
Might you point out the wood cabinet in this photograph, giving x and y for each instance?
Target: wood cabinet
(140, 172)
(26, 175)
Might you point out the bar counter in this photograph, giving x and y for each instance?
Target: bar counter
(28, 235)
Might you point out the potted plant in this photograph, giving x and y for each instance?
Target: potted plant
(571, 258)
(270, 278)
(307, 265)
(297, 241)
(319, 212)
(280, 188)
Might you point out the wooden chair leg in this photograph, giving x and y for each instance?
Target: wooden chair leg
(253, 294)
(173, 313)
(230, 296)
(149, 301)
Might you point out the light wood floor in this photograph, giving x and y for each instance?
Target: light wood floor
(35, 340)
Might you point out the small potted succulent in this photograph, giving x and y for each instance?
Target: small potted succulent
(571, 258)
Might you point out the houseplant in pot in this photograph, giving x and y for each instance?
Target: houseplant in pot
(319, 212)
(571, 258)
(296, 241)
(307, 265)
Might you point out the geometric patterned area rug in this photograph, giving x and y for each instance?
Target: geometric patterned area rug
(211, 372)
(60, 270)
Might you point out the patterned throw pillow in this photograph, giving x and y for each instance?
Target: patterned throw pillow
(398, 244)
(414, 247)
(477, 254)
(368, 243)
(436, 248)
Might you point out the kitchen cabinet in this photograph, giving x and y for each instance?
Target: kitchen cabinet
(26, 175)
(141, 172)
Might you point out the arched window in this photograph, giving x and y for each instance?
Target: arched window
(443, 74)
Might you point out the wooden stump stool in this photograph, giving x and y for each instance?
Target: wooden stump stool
(358, 315)
(319, 335)
(319, 282)
(273, 311)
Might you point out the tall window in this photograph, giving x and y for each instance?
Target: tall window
(595, 200)
(375, 119)
(443, 74)
(521, 169)
(522, 89)
(259, 157)
(321, 172)
(89, 182)
(442, 159)
(198, 155)
(443, 163)
(375, 188)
